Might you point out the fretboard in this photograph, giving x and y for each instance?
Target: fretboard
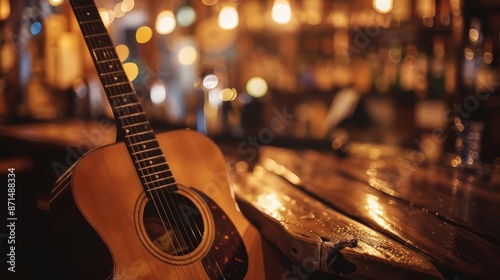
(140, 139)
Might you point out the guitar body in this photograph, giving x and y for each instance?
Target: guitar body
(112, 220)
(119, 212)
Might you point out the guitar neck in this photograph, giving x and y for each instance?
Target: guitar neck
(139, 137)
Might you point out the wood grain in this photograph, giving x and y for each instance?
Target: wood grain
(316, 237)
(105, 188)
(453, 248)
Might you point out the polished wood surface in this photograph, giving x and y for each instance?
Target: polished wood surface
(316, 237)
(460, 198)
(106, 190)
(454, 249)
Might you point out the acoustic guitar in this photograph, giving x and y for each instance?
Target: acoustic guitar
(122, 212)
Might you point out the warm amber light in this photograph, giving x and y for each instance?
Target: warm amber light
(7, 57)
(165, 22)
(382, 6)
(228, 94)
(54, 3)
(4, 9)
(228, 18)
(119, 12)
(469, 53)
(473, 35)
(488, 57)
(131, 70)
(106, 16)
(256, 87)
(122, 51)
(209, 2)
(426, 8)
(187, 55)
(282, 12)
(127, 5)
(143, 34)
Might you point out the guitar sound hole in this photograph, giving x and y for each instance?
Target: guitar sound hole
(174, 225)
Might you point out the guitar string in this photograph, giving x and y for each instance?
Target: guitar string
(216, 266)
(180, 201)
(158, 203)
(160, 207)
(163, 192)
(159, 191)
(74, 3)
(172, 242)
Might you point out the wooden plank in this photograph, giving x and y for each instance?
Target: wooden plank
(456, 250)
(444, 192)
(316, 237)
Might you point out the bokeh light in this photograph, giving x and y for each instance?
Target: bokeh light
(186, 16)
(143, 34)
(256, 87)
(131, 70)
(165, 22)
(228, 18)
(187, 55)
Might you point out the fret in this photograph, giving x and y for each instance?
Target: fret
(155, 173)
(127, 110)
(111, 73)
(108, 60)
(135, 131)
(144, 151)
(149, 153)
(140, 139)
(118, 91)
(131, 105)
(162, 187)
(146, 123)
(121, 95)
(152, 166)
(139, 134)
(144, 155)
(103, 48)
(99, 42)
(119, 77)
(94, 35)
(93, 27)
(91, 21)
(146, 144)
(152, 160)
(143, 163)
(105, 54)
(161, 182)
(111, 66)
(138, 117)
(132, 137)
(117, 84)
(126, 105)
(124, 102)
(144, 147)
(114, 64)
(131, 115)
